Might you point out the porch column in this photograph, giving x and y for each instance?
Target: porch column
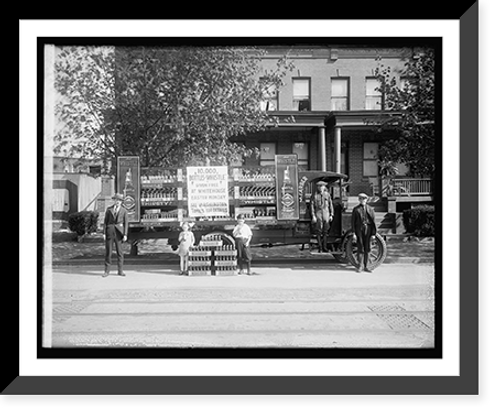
(322, 148)
(336, 149)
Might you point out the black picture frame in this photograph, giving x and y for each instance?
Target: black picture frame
(467, 383)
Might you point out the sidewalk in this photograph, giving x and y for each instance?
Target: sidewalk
(65, 251)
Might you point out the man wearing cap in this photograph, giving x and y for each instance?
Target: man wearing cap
(322, 214)
(363, 224)
(115, 232)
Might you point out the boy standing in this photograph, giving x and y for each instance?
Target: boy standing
(243, 235)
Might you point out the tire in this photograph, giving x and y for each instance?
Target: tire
(341, 258)
(378, 251)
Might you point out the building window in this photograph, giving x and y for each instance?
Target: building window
(267, 153)
(374, 98)
(370, 159)
(301, 149)
(270, 97)
(301, 94)
(340, 94)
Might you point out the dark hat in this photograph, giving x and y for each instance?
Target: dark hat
(321, 183)
(363, 195)
(119, 197)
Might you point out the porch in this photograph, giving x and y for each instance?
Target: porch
(411, 187)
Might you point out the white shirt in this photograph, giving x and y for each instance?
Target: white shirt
(242, 231)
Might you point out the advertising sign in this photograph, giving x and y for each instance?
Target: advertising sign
(128, 185)
(208, 193)
(287, 189)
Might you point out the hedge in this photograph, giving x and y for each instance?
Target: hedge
(83, 222)
(420, 220)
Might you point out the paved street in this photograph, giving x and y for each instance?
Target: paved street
(281, 305)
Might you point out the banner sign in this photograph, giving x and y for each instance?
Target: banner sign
(287, 189)
(128, 185)
(208, 193)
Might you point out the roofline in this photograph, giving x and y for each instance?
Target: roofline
(357, 118)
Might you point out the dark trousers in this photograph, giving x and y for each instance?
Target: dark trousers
(113, 237)
(363, 243)
(322, 227)
(243, 254)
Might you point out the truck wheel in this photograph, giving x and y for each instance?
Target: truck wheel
(378, 251)
(341, 258)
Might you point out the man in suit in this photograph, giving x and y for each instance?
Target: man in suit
(363, 224)
(115, 232)
(322, 214)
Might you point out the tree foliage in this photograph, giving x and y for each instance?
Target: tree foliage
(84, 82)
(170, 106)
(413, 102)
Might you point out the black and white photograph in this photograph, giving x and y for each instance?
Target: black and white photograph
(241, 197)
(285, 209)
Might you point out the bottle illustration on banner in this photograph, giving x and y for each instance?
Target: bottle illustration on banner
(287, 199)
(129, 193)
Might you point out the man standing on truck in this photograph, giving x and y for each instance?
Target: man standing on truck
(363, 224)
(322, 214)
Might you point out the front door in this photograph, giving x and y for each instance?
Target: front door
(370, 166)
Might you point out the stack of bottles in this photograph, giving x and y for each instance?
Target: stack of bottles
(199, 261)
(211, 240)
(159, 215)
(151, 196)
(255, 175)
(225, 263)
(257, 192)
(212, 258)
(256, 212)
(159, 178)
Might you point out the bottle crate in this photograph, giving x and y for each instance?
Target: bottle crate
(225, 262)
(225, 272)
(199, 272)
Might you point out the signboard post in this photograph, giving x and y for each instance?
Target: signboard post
(208, 193)
(128, 185)
(287, 189)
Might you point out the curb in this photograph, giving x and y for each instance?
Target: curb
(258, 261)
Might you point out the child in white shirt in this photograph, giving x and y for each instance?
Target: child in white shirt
(243, 235)
(186, 241)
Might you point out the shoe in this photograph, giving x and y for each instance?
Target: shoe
(240, 271)
(367, 270)
(105, 274)
(121, 274)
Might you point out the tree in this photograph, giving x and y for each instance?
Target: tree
(85, 90)
(170, 106)
(413, 120)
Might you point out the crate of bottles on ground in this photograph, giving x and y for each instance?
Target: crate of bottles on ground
(212, 258)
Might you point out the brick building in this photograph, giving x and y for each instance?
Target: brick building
(328, 111)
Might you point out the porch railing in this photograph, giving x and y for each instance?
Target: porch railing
(411, 186)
